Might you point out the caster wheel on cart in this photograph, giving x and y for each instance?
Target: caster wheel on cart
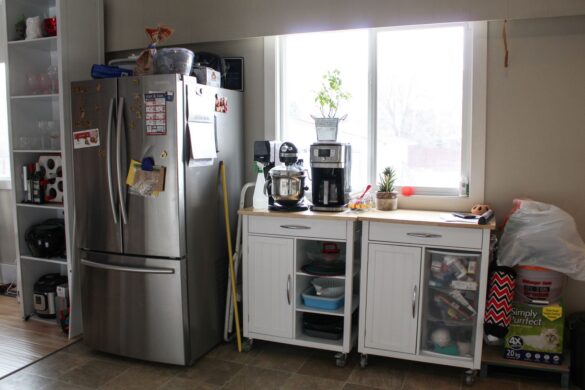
(363, 360)
(470, 377)
(340, 359)
(247, 345)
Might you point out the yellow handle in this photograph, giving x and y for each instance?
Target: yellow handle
(230, 254)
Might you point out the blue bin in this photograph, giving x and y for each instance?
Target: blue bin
(317, 302)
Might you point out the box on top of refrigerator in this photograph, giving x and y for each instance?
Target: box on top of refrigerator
(536, 333)
(207, 76)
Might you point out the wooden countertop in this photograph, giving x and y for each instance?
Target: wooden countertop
(415, 217)
(420, 217)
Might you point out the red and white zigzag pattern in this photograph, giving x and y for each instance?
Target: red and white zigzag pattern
(499, 302)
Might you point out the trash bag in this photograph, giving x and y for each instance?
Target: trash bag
(543, 235)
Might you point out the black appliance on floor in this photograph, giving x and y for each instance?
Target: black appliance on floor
(44, 293)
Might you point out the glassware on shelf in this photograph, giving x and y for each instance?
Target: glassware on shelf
(44, 83)
(54, 140)
(50, 25)
(32, 81)
(53, 74)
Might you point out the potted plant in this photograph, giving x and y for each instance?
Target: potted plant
(387, 197)
(328, 99)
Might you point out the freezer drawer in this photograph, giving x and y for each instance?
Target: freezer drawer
(134, 307)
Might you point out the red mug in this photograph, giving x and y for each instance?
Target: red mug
(50, 26)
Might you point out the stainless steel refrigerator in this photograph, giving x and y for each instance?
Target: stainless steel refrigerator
(153, 269)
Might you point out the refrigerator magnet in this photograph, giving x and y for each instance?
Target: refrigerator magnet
(156, 113)
(86, 138)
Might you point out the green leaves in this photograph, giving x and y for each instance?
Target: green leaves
(330, 94)
(387, 179)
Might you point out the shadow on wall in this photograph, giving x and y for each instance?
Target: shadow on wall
(7, 239)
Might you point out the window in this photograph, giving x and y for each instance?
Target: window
(4, 149)
(417, 103)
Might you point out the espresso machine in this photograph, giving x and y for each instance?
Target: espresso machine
(285, 185)
(331, 175)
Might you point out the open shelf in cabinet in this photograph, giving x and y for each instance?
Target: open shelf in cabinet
(15, 10)
(32, 270)
(29, 216)
(56, 260)
(39, 43)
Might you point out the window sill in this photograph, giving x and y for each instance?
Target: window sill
(5, 185)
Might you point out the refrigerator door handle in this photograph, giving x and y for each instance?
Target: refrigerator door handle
(109, 160)
(121, 184)
(215, 133)
(122, 268)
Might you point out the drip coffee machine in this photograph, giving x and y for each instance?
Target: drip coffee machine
(331, 175)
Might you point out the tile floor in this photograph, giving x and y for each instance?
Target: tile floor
(267, 366)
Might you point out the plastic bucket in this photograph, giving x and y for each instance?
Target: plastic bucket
(539, 284)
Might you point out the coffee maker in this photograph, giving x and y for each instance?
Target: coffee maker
(331, 175)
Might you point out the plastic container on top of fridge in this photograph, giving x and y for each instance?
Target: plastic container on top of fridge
(173, 60)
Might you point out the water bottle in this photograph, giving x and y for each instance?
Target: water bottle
(260, 200)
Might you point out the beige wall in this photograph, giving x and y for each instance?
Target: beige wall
(205, 21)
(536, 120)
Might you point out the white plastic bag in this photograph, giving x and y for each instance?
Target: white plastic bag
(543, 235)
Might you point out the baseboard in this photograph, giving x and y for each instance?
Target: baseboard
(7, 273)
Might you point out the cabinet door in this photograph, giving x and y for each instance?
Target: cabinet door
(270, 286)
(392, 297)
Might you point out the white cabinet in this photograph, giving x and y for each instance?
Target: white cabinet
(393, 283)
(425, 284)
(269, 277)
(279, 251)
(39, 73)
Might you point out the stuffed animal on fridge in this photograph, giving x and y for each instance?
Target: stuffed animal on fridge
(498, 309)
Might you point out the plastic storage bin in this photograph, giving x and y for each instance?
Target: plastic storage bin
(173, 60)
(329, 288)
(539, 284)
(326, 303)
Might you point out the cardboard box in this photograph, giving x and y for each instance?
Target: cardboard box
(536, 333)
(207, 76)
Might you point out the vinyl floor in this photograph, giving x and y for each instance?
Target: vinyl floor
(24, 342)
(267, 366)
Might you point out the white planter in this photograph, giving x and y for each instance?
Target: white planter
(386, 201)
(326, 128)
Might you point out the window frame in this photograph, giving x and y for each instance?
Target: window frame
(473, 111)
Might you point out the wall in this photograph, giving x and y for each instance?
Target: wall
(7, 239)
(536, 120)
(204, 21)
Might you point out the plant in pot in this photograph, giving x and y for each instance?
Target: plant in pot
(387, 197)
(328, 99)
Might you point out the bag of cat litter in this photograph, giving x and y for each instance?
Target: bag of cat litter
(536, 333)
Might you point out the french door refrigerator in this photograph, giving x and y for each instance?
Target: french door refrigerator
(153, 268)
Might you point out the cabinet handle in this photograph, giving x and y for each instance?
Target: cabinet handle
(288, 289)
(295, 227)
(425, 235)
(414, 294)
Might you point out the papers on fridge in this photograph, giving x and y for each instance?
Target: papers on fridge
(201, 125)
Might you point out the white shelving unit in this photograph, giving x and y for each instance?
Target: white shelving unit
(78, 45)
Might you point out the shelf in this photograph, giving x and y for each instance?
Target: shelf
(318, 341)
(53, 151)
(450, 322)
(337, 312)
(35, 317)
(35, 41)
(56, 206)
(445, 356)
(35, 97)
(60, 261)
(342, 277)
